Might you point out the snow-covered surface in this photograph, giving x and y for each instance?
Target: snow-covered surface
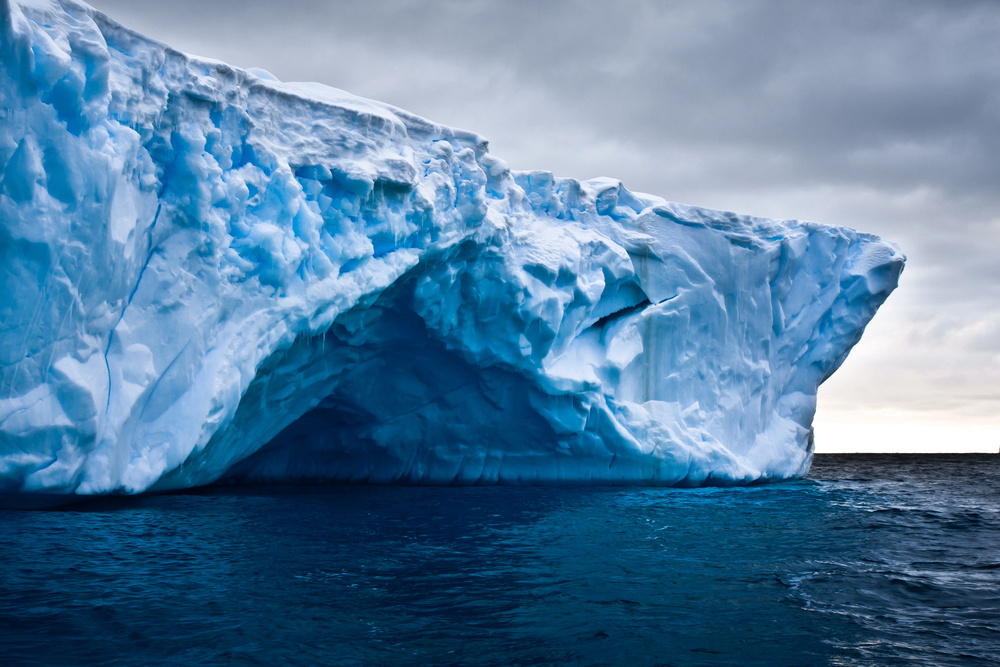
(207, 273)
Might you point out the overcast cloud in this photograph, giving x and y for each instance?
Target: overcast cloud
(880, 115)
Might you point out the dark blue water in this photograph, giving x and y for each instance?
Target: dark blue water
(873, 560)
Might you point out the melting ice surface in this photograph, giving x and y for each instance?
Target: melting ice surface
(206, 273)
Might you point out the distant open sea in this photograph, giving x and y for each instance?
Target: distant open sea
(872, 560)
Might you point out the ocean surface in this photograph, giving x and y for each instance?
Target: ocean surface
(872, 560)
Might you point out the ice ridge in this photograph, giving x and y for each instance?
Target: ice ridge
(207, 274)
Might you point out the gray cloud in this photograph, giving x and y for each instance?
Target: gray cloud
(879, 114)
(895, 94)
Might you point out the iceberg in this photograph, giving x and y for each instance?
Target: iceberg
(208, 274)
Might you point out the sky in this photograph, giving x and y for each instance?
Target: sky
(882, 115)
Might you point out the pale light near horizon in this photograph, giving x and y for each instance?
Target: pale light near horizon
(901, 432)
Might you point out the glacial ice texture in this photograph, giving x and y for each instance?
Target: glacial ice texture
(209, 274)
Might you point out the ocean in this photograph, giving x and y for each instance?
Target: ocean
(871, 560)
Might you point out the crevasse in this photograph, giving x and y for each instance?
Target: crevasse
(209, 274)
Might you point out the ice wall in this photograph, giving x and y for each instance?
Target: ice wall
(207, 273)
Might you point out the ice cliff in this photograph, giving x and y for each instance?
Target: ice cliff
(208, 274)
